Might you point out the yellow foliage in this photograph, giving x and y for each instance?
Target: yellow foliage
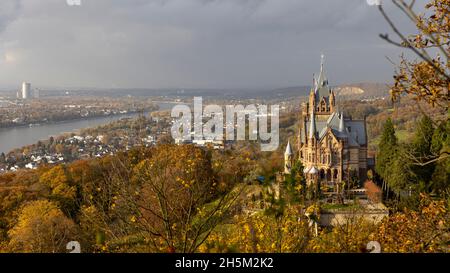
(41, 227)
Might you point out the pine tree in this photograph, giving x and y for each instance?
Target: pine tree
(441, 145)
(399, 175)
(388, 136)
(423, 137)
(441, 176)
(422, 151)
(441, 139)
(386, 149)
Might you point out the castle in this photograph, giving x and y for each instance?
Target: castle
(331, 147)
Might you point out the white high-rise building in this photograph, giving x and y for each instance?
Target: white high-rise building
(26, 90)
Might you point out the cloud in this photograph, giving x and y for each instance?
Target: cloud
(9, 10)
(190, 43)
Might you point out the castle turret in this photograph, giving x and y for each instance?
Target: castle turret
(312, 101)
(332, 101)
(312, 126)
(288, 159)
(341, 123)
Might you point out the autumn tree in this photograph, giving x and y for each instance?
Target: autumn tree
(428, 77)
(41, 227)
(289, 232)
(410, 231)
(61, 188)
(349, 236)
(174, 186)
(166, 202)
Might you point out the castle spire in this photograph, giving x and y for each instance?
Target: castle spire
(314, 82)
(322, 59)
(322, 81)
(322, 89)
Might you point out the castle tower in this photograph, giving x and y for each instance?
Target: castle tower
(322, 99)
(288, 159)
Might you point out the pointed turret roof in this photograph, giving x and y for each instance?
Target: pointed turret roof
(321, 88)
(322, 80)
(288, 149)
(341, 123)
(313, 170)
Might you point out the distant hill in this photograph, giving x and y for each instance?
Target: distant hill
(244, 93)
(362, 90)
(346, 91)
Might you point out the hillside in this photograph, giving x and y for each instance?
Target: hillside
(362, 90)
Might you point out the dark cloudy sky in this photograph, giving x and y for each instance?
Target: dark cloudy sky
(192, 43)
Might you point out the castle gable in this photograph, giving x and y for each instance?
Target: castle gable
(326, 134)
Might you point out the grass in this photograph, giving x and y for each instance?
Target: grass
(402, 135)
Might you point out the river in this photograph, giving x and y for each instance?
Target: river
(17, 137)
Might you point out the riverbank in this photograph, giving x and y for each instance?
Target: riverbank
(20, 136)
(17, 137)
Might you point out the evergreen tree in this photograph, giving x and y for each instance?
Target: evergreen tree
(441, 176)
(386, 149)
(422, 151)
(441, 146)
(295, 182)
(399, 178)
(423, 137)
(440, 137)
